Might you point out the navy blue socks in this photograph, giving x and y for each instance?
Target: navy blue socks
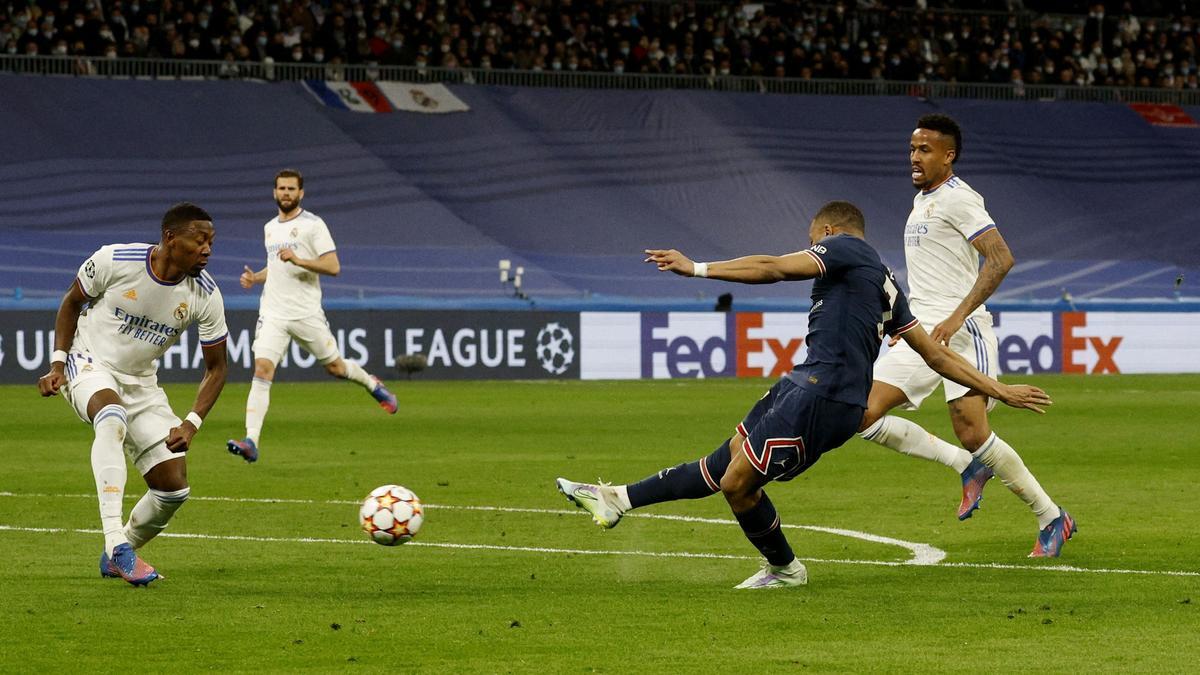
(691, 480)
(761, 525)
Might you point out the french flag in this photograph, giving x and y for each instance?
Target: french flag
(354, 96)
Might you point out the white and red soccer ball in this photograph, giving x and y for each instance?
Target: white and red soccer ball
(391, 515)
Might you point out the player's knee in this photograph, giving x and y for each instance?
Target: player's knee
(168, 476)
(737, 489)
(972, 437)
(870, 416)
(264, 369)
(336, 368)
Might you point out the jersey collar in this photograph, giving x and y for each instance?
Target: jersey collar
(299, 212)
(935, 189)
(152, 275)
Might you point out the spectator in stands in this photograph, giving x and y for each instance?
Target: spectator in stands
(1101, 44)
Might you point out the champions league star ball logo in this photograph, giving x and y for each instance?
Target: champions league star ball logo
(90, 269)
(555, 348)
(181, 311)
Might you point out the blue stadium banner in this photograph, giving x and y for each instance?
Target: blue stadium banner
(452, 345)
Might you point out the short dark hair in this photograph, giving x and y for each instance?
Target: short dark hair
(290, 173)
(181, 215)
(843, 215)
(944, 124)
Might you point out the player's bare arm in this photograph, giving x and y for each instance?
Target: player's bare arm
(215, 369)
(949, 364)
(751, 269)
(327, 263)
(997, 261)
(249, 277)
(64, 332)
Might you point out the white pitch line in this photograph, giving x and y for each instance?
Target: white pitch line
(1072, 568)
(534, 549)
(425, 544)
(593, 552)
(922, 554)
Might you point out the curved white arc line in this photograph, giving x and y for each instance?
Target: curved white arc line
(922, 554)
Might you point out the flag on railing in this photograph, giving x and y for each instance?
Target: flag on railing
(1163, 114)
(386, 97)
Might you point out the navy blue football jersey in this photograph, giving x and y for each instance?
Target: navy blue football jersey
(855, 302)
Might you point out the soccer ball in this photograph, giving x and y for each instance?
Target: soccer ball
(555, 348)
(391, 515)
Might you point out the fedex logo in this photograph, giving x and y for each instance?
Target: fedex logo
(770, 345)
(1055, 343)
(687, 344)
(746, 344)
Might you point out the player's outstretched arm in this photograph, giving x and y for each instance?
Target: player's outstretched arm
(951, 365)
(215, 369)
(64, 332)
(751, 269)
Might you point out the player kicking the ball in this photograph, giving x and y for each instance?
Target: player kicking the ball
(811, 410)
(299, 250)
(140, 299)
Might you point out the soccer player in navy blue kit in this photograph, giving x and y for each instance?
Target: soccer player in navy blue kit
(811, 410)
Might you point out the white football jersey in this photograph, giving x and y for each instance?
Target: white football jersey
(134, 316)
(292, 292)
(942, 263)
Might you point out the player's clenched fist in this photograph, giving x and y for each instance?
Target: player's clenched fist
(670, 260)
(51, 382)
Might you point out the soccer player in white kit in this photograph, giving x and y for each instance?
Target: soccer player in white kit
(947, 230)
(299, 250)
(140, 299)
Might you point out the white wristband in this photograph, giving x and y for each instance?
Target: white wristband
(58, 356)
(700, 269)
(194, 419)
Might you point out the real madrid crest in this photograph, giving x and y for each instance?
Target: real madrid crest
(929, 211)
(295, 231)
(181, 311)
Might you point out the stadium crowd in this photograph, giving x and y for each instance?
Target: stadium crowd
(1103, 44)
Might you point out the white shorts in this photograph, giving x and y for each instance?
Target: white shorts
(271, 337)
(904, 369)
(148, 413)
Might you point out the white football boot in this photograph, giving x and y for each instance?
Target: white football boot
(775, 576)
(599, 500)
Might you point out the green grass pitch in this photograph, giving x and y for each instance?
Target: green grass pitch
(272, 585)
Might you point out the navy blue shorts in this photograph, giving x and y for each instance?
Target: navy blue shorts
(789, 429)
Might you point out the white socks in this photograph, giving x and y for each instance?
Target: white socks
(108, 467)
(256, 407)
(1008, 467)
(623, 497)
(355, 373)
(906, 437)
(151, 514)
